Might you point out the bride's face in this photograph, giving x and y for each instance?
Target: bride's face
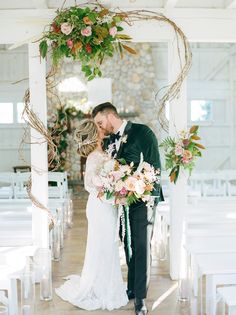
(104, 123)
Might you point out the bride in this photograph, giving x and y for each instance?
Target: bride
(100, 285)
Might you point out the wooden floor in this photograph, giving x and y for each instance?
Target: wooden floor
(72, 263)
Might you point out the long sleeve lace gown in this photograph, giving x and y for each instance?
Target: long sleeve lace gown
(100, 285)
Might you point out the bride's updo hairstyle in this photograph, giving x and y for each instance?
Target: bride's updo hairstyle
(86, 136)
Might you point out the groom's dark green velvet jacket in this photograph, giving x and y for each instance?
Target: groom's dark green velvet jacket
(140, 138)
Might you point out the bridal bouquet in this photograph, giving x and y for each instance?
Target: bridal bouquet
(182, 152)
(121, 184)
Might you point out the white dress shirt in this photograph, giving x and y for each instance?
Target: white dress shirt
(121, 132)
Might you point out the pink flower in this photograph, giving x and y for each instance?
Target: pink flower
(123, 191)
(178, 150)
(66, 28)
(63, 154)
(87, 31)
(187, 157)
(69, 43)
(113, 31)
(130, 183)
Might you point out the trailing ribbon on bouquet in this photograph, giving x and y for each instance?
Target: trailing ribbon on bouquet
(127, 231)
(123, 219)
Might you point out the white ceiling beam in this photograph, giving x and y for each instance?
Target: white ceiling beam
(170, 4)
(40, 4)
(199, 25)
(230, 4)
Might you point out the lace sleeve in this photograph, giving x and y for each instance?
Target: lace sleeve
(90, 172)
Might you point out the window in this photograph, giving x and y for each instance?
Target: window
(6, 113)
(19, 109)
(201, 110)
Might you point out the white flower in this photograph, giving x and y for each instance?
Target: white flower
(140, 187)
(66, 28)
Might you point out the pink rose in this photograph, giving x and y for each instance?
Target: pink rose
(113, 31)
(87, 31)
(178, 150)
(69, 43)
(66, 28)
(123, 191)
(130, 183)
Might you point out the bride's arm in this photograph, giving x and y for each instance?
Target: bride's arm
(90, 172)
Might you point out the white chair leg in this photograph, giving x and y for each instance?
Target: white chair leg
(210, 296)
(12, 298)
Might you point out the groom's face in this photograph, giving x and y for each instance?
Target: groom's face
(104, 122)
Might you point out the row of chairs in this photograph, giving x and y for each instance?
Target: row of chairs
(13, 185)
(16, 237)
(207, 183)
(210, 247)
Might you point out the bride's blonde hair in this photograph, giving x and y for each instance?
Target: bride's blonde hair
(86, 135)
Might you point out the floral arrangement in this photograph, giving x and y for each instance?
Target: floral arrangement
(182, 152)
(121, 184)
(59, 125)
(85, 34)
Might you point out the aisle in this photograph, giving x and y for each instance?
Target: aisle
(72, 262)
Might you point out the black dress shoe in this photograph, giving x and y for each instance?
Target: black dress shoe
(130, 294)
(140, 307)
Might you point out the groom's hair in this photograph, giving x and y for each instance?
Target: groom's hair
(105, 108)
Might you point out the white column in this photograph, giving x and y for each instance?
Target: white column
(39, 161)
(178, 191)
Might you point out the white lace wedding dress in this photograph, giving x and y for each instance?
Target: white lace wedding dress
(100, 285)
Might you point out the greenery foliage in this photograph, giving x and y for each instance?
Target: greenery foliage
(85, 34)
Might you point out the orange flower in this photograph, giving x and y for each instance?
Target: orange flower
(149, 187)
(87, 20)
(77, 46)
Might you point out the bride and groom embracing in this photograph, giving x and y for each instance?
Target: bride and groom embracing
(100, 285)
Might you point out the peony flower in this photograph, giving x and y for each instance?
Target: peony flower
(119, 185)
(187, 157)
(66, 28)
(69, 43)
(130, 183)
(87, 20)
(113, 31)
(140, 187)
(87, 31)
(187, 154)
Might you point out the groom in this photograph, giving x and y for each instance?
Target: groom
(128, 140)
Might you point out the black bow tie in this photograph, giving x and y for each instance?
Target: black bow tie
(115, 136)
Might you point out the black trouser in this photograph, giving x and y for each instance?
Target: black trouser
(141, 224)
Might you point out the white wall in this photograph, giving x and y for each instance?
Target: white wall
(211, 77)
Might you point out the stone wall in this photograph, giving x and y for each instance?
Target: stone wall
(133, 87)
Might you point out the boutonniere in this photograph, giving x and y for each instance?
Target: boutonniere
(123, 139)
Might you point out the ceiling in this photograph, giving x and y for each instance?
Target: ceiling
(161, 4)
